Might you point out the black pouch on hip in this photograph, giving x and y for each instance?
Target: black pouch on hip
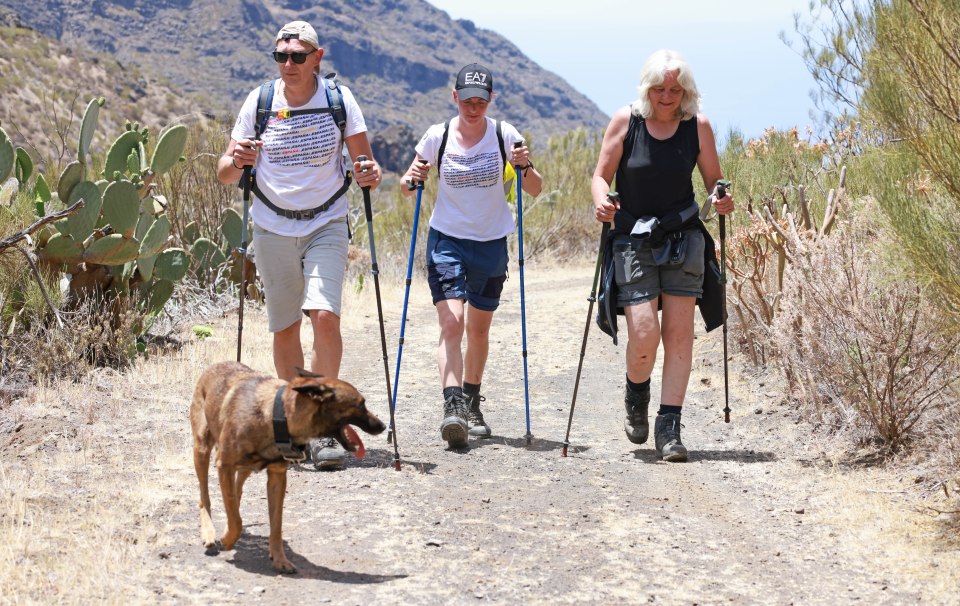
(673, 251)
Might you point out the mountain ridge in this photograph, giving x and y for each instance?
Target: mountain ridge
(399, 57)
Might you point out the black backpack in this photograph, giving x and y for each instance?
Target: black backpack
(443, 144)
(264, 112)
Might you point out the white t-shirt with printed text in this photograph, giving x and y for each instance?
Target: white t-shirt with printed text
(300, 164)
(470, 200)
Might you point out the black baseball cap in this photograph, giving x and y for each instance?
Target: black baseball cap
(474, 80)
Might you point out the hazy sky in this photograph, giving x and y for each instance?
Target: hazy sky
(748, 77)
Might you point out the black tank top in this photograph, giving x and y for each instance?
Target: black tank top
(655, 177)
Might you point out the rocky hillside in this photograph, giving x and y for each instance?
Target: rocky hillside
(399, 57)
(45, 86)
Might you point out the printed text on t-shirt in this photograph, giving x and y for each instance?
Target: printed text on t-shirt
(481, 170)
(305, 140)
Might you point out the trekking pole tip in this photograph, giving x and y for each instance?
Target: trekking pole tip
(563, 452)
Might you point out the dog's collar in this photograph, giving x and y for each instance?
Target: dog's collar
(281, 435)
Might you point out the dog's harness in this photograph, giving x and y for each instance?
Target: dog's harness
(281, 435)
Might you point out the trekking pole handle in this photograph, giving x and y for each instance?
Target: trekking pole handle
(420, 183)
(722, 186)
(516, 145)
(367, 209)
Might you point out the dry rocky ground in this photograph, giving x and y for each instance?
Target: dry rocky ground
(98, 497)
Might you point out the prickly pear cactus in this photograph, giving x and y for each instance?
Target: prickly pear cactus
(118, 243)
(7, 156)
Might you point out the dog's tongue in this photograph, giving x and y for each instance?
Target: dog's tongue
(354, 439)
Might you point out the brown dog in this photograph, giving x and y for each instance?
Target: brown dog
(233, 408)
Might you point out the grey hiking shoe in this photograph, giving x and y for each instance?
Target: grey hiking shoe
(636, 424)
(666, 431)
(453, 429)
(326, 454)
(478, 427)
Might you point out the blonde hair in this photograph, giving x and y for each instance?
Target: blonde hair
(653, 74)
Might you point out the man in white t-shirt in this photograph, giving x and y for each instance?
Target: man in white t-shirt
(467, 245)
(299, 210)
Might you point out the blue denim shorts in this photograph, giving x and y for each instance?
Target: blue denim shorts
(466, 269)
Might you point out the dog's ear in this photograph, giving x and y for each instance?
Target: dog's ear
(303, 372)
(315, 390)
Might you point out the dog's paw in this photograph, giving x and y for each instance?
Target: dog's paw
(227, 542)
(284, 566)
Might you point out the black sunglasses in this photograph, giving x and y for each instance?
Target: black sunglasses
(298, 58)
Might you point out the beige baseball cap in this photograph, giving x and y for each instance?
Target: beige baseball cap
(299, 30)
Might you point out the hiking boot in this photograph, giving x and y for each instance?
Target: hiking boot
(478, 427)
(326, 454)
(636, 424)
(666, 431)
(453, 429)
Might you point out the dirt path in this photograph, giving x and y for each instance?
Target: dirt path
(756, 516)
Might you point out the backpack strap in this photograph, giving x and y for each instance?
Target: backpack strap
(443, 143)
(264, 108)
(335, 100)
(503, 152)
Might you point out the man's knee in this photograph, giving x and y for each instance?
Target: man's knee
(324, 319)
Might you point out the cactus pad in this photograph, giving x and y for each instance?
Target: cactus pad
(112, 250)
(159, 295)
(119, 151)
(232, 228)
(171, 264)
(71, 175)
(61, 249)
(169, 148)
(87, 128)
(156, 237)
(206, 255)
(80, 224)
(121, 207)
(24, 166)
(7, 156)
(190, 233)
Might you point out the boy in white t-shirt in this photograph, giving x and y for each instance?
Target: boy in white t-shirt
(467, 245)
(299, 211)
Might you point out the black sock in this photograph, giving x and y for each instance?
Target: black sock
(638, 387)
(666, 409)
(471, 388)
(448, 392)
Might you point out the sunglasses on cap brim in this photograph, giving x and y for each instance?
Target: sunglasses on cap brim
(298, 58)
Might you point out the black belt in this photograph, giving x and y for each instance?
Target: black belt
(302, 215)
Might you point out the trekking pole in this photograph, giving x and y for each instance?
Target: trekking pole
(375, 270)
(406, 299)
(586, 329)
(722, 186)
(523, 308)
(242, 251)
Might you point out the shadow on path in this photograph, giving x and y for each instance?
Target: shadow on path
(251, 555)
